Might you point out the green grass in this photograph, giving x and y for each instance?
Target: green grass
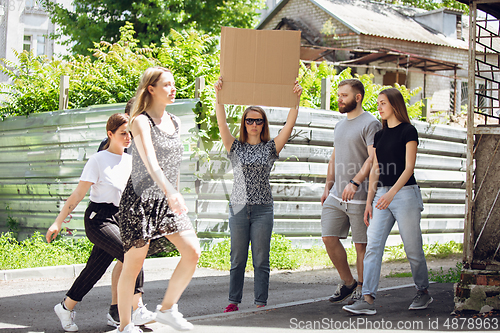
(450, 276)
(399, 275)
(35, 252)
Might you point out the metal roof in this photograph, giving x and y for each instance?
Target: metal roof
(379, 19)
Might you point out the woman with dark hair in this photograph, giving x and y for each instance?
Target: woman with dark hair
(153, 215)
(396, 196)
(251, 213)
(105, 173)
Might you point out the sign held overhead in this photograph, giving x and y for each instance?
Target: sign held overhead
(259, 67)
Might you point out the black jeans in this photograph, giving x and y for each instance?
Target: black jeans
(103, 231)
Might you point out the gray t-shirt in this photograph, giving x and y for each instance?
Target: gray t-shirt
(351, 137)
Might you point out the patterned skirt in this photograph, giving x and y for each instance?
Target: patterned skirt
(148, 218)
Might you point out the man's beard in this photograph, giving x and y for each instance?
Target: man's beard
(348, 107)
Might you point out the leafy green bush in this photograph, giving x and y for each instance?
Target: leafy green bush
(110, 76)
(310, 79)
(436, 250)
(450, 276)
(218, 257)
(282, 255)
(35, 252)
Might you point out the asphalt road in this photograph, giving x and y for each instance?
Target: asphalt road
(297, 300)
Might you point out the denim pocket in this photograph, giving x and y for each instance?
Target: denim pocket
(420, 202)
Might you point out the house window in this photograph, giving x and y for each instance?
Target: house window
(390, 78)
(27, 43)
(40, 45)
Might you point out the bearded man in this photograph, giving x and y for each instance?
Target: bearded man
(344, 197)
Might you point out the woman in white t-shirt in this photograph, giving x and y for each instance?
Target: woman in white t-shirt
(105, 174)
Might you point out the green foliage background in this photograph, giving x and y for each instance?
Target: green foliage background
(110, 76)
(94, 21)
(112, 73)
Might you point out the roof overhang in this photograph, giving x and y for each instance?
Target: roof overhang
(489, 7)
(365, 57)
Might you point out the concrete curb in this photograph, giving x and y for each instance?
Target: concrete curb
(71, 271)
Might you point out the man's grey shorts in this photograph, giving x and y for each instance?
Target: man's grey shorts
(337, 217)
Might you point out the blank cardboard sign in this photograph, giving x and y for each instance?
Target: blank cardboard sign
(259, 67)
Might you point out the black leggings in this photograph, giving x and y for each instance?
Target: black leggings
(103, 231)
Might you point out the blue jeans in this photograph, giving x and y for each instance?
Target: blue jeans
(405, 208)
(250, 223)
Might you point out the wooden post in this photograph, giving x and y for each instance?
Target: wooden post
(455, 92)
(63, 92)
(199, 85)
(425, 109)
(425, 77)
(326, 90)
(469, 199)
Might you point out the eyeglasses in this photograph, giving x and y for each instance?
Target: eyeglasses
(257, 121)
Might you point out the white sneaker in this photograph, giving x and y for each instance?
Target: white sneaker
(66, 317)
(112, 322)
(142, 316)
(130, 328)
(173, 318)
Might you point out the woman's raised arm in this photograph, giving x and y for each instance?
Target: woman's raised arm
(286, 131)
(220, 112)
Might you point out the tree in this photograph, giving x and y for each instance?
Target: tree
(430, 4)
(93, 20)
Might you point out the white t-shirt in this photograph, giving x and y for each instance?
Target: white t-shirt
(109, 174)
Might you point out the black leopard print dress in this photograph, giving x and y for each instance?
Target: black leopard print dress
(144, 214)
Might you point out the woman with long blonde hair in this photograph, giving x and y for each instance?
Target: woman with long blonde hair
(153, 214)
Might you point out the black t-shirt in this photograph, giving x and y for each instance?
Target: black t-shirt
(390, 144)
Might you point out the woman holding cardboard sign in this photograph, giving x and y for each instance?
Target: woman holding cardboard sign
(251, 211)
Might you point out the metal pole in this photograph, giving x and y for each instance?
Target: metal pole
(199, 85)
(63, 92)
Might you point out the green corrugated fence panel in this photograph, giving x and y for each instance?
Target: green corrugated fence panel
(42, 156)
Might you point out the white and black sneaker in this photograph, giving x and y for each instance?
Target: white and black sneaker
(356, 295)
(342, 292)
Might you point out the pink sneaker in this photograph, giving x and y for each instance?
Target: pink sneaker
(231, 308)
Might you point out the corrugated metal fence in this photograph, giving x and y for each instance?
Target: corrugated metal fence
(299, 176)
(42, 156)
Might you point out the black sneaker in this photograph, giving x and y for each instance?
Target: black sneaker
(342, 292)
